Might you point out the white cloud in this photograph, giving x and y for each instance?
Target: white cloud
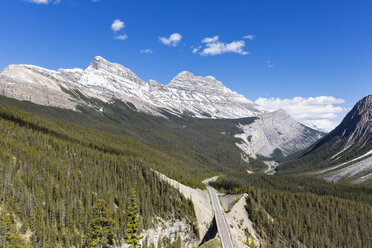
(146, 51)
(173, 40)
(217, 47)
(209, 40)
(249, 37)
(117, 25)
(121, 37)
(323, 124)
(319, 112)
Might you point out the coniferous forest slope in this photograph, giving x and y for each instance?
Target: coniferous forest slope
(202, 146)
(292, 211)
(52, 174)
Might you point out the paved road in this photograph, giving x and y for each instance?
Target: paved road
(222, 226)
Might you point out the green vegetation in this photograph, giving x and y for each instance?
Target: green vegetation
(200, 147)
(295, 211)
(234, 182)
(131, 231)
(9, 237)
(102, 227)
(318, 156)
(67, 177)
(52, 173)
(214, 243)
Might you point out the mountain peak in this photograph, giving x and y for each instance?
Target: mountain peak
(280, 112)
(356, 127)
(99, 58)
(188, 81)
(186, 73)
(367, 101)
(98, 62)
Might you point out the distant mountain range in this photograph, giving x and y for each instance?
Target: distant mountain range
(272, 134)
(197, 96)
(343, 154)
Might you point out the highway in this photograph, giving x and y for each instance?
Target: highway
(222, 226)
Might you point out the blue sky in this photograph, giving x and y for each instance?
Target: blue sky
(293, 52)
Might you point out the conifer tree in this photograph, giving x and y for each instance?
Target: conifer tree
(102, 227)
(8, 234)
(131, 235)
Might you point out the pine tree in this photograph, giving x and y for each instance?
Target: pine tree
(131, 236)
(102, 227)
(8, 234)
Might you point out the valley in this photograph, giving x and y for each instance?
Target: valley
(185, 124)
(270, 170)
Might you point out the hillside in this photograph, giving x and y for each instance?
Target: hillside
(198, 145)
(52, 173)
(344, 153)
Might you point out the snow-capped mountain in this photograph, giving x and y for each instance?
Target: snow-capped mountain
(186, 93)
(201, 97)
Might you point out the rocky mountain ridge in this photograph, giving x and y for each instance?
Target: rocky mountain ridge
(186, 94)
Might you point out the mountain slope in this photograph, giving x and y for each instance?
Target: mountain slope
(275, 135)
(103, 84)
(52, 173)
(199, 147)
(343, 154)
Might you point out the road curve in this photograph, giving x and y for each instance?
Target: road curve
(222, 226)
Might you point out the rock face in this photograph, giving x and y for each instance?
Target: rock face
(201, 201)
(186, 94)
(275, 132)
(168, 229)
(356, 127)
(241, 227)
